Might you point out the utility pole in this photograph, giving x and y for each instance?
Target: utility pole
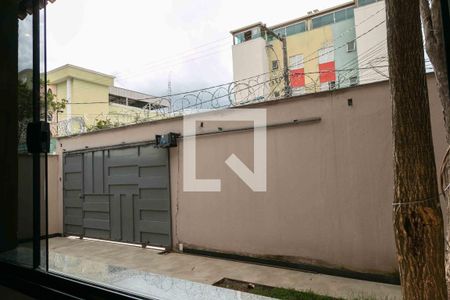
(287, 85)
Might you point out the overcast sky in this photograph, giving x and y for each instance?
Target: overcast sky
(141, 42)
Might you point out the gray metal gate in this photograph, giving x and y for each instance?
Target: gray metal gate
(120, 194)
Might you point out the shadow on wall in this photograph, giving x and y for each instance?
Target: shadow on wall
(25, 196)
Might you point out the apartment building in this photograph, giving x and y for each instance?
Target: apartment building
(92, 96)
(338, 47)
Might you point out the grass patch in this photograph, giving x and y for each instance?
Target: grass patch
(288, 294)
(268, 291)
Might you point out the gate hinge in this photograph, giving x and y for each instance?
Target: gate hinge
(38, 137)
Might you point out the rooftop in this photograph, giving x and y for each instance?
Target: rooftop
(133, 95)
(67, 66)
(316, 13)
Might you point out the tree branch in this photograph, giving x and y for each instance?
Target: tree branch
(436, 18)
(427, 21)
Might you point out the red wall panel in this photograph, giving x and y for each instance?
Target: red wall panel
(297, 77)
(327, 72)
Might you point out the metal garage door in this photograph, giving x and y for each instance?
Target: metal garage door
(118, 194)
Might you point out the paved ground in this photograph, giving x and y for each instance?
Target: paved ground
(210, 270)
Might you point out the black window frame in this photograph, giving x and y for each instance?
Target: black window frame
(34, 282)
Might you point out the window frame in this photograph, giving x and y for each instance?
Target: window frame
(299, 58)
(37, 283)
(366, 2)
(34, 281)
(275, 64)
(301, 25)
(346, 16)
(353, 49)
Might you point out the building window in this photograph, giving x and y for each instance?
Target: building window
(326, 55)
(323, 20)
(350, 13)
(365, 2)
(298, 91)
(351, 46)
(289, 30)
(239, 38)
(353, 81)
(324, 86)
(339, 15)
(296, 62)
(274, 64)
(327, 66)
(296, 28)
(332, 85)
(297, 71)
(281, 31)
(331, 18)
(343, 14)
(247, 35)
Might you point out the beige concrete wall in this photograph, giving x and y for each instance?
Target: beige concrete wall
(95, 98)
(372, 47)
(54, 222)
(25, 196)
(250, 60)
(330, 184)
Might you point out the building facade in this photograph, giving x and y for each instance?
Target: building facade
(92, 97)
(335, 48)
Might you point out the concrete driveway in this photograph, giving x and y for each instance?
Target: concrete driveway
(129, 266)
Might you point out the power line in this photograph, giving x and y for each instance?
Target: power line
(334, 40)
(342, 34)
(237, 82)
(209, 54)
(253, 77)
(165, 66)
(185, 51)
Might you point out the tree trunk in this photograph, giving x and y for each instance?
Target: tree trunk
(417, 215)
(430, 12)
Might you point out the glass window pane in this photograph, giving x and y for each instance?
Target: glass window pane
(44, 158)
(239, 38)
(350, 13)
(280, 31)
(296, 62)
(365, 2)
(256, 33)
(323, 20)
(339, 15)
(18, 249)
(296, 28)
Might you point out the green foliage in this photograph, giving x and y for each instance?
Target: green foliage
(55, 105)
(288, 294)
(25, 105)
(25, 101)
(104, 124)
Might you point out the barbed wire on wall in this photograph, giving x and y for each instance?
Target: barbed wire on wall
(368, 66)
